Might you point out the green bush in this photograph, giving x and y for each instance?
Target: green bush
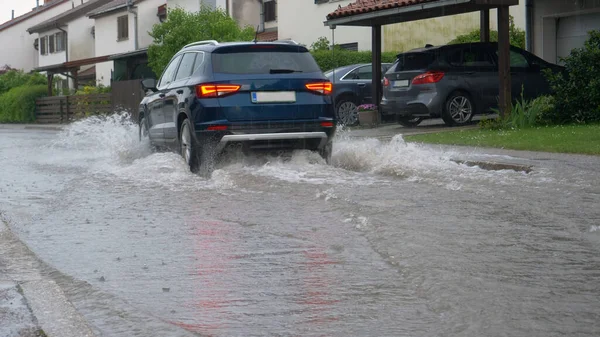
(16, 78)
(577, 91)
(327, 59)
(18, 104)
(517, 36)
(524, 114)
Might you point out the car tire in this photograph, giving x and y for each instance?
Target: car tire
(409, 122)
(188, 146)
(326, 152)
(458, 109)
(346, 111)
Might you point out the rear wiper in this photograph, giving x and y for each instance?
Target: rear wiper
(284, 71)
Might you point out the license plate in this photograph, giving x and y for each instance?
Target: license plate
(273, 96)
(400, 83)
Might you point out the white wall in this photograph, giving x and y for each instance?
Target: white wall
(545, 16)
(106, 35)
(17, 44)
(302, 21)
(194, 5)
(245, 12)
(80, 39)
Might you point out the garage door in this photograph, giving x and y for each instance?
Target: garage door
(572, 32)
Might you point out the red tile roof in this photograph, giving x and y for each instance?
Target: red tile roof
(268, 36)
(366, 6)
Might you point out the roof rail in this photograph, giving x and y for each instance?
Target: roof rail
(199, 43)
(286, 41)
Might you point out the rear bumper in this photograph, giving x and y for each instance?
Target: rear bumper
(268, 136)
(309, 140)
(423, 105)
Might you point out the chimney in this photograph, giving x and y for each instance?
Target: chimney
(13, 14)
(37, 3)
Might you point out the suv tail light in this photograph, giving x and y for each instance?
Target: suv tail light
(428, 77)
(386, 82)
(324, 88)
(216, 90)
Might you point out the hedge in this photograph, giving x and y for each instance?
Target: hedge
(328, 60)
(18, 104)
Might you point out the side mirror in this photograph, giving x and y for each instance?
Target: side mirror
(149, 84)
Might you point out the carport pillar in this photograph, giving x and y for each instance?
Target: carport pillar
(505, 100)
(376, 64)
(484, 24)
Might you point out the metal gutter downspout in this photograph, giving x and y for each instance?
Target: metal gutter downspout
(528, 25)
(135, 23)
(66, 42)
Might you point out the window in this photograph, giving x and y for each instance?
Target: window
(199, 61)
(518, 60)
(60, 41)
(413, 61)
(350, 46)
(270, 9)
(186, 67)
(123, 28)
(470, 57)
(51, 46)
(362, 73)
(44, 45)
(167, 76)
(263, 61)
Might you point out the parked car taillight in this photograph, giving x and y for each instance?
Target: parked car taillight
(428, 77)
(216, 90)
(324, 88)
(386, 82)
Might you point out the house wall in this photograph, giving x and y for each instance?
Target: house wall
(246, 12)
(547, 15)
(437, 31)
(194, 5)
(50, 58)
(17, 44)
(106, 35)
(303, 21)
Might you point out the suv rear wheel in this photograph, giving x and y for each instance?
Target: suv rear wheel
(188, 146)
(459, 109)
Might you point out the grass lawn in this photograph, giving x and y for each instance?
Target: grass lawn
(583, 139)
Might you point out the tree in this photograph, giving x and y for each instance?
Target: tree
(182, 28)
(517, 36)
(321, 44)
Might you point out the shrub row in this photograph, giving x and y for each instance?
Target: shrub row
(327, 59)
(17, 105)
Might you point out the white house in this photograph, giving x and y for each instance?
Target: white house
(302, 21)
(558, 26)
(122, 26)
(18, 46)
(66, 38)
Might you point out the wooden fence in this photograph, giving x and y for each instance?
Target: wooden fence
(65, 109)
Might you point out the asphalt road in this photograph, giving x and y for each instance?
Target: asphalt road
(393, 239)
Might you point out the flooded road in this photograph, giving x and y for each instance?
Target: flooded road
(393, 239)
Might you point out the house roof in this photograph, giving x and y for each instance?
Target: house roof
(63, 18)
(142, 51)
(34, 12)
(111, 7)
(68, 66)
(365, 6)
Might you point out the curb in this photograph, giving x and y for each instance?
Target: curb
(54, 314)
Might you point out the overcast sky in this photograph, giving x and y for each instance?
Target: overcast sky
(20, 6)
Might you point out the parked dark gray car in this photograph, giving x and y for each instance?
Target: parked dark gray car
(456, 82)
(351, 88)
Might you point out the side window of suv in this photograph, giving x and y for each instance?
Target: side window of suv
(186, 67)
(169, 73)
(362, 73)
(517, 60)
(470, 57)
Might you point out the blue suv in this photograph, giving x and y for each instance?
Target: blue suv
(257, 96)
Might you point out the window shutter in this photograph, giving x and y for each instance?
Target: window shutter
(123, 27)
(270, 8)
(51, 46)
(43, 46)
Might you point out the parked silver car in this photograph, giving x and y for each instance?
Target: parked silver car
(456, 82)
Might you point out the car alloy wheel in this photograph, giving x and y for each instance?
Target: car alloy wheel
(460, 109)
(347, 113)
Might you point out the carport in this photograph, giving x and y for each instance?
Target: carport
(377, 13)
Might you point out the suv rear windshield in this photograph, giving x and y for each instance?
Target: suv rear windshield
(263, 60)
(413, 61)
